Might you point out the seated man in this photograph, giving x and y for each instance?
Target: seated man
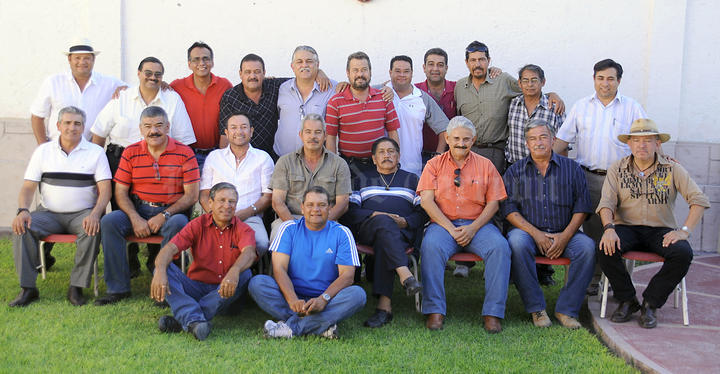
(247, 168)
(636, 209)
(155, 184)
(311, 289)
(385, 213)
(547, 202)
(461, 192)
(223, 249)
(74, 181)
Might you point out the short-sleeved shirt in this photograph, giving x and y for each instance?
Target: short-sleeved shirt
(548, 202)
(518, 119)
(594, 128)
(158, 181)
(315, 255)
(61, 90)
(447, 103)
(251, 177)
(480, 183)
(358, 124)
(292, 108)
(203, 110)
(214, 250)
(68, 181)
(119, 121)
(487, 107)
(648, 201)
(291, 174)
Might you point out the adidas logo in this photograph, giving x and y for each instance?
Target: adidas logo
(329, 251)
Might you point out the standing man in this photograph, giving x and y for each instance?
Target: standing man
(223, 250)
(414, 109)
(638, 199)
(461, 191)
(435, 66)
(73, 177)
(593, 124)
(156, 183)
(358, 116)
(201, 92)
(248, 169)
(547, 202)
(314, 262)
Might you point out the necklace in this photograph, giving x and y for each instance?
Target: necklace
(387, 185)
(641, 173)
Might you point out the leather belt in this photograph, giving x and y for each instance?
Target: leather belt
(596, 171)
(497, 145)
(138, 200)
(203, 151)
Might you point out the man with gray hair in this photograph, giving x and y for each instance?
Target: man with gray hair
(547, 202)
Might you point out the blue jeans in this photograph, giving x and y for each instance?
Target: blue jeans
(266, 293)
(194, 301)
(437, 247)
(114, 227)
(581, 252)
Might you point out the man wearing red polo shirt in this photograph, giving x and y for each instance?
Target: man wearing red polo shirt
(201, 92)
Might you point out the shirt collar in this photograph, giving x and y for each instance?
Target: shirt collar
(158, 97)
(169, 148)
(347, 94)
(529, 161)
(468, 82)
(294, 86)
(92, 79)
(208, 221)
(300, 153)
(84, 144)
(617, 98)
(190, 82)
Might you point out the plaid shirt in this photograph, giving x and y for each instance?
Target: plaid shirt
(518, 119)
(263, 115)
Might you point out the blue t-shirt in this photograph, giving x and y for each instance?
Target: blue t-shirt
(314, 255)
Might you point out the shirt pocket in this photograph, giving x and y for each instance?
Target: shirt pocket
(475, 191)
(328, 183)
(297, 184)
(468, 106)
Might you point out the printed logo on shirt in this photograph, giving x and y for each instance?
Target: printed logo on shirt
(329, 251)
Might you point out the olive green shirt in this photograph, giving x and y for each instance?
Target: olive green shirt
(292, 174)
(487, 107)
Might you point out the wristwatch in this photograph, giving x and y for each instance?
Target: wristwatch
(326, 297)
(254, 208)
(686, 229)
(20, 210)
(166, 214)
(608, 226)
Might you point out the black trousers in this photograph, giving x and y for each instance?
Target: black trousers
(389, 244)
(677, 256)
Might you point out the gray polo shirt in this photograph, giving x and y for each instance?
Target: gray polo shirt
(487, 107)
(292, 175)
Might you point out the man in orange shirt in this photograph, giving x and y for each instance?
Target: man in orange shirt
(461, 192)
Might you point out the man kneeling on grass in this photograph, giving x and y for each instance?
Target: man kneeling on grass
(223, 249)
(314, 264)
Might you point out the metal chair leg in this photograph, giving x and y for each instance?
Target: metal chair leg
(95, 277)
(418, 305)
(686, 317)
(603, 303)
(41, 244)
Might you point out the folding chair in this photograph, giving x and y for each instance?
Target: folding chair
(367, 250)
(64, 238)
(155, 239)
(558, 261)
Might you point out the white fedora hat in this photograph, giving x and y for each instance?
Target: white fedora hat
(81, 46)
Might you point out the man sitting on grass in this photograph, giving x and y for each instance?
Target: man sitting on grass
(223, 249)
(314, 264)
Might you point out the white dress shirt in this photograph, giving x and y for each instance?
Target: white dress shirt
(119, 121)
(251, 177)
(61, 90)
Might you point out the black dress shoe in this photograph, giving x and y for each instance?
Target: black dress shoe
(625, 310)
(411, 286)
(169, 324)
(379, 319)
(25, 297)
(111, 298)
(593, 289)
(648, 318)
(49, 259)
(161, 304)
(200, 330)
(546, 280)
(75, 296)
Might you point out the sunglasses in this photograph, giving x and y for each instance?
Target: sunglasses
(457, 178)
(157, 170)
(476, 48)
(149, 74)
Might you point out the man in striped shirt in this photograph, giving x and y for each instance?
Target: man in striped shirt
(156, 183)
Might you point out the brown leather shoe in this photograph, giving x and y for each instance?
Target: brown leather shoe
(492, 324)
(434, 321)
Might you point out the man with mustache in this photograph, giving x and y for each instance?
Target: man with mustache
(461, 192)
(547, 202)
(155, 184)
(358, 116)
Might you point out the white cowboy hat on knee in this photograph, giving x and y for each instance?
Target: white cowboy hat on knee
(82, 45)
(642, 127)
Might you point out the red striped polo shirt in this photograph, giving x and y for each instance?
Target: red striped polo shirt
(359, 124)
(158, 181)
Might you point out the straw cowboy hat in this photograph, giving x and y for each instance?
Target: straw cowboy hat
(642, 127)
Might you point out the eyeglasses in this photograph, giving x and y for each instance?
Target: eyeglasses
(531, 80)
(149, 73)
(196, 60)
(457, 178)
(157, 170)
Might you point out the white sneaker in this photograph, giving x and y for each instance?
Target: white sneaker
(277, 330)
(461, 271)
(269, 325)
(330, 333)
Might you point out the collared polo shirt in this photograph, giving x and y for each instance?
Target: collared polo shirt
(447, 103)
(487, 107)
(119, 121)
(315, 255)
(68, 181)
(518, 119)
(214, 250)
(594, 128)
(61, 90)
(548, 202)
(203, 110)
(292, 108)
(358, 124)
(158, 181)
(251, 177)
(291, 174)
(480, 183)
(649, 200)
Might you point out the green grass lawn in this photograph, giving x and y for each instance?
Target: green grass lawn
(50, 335)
